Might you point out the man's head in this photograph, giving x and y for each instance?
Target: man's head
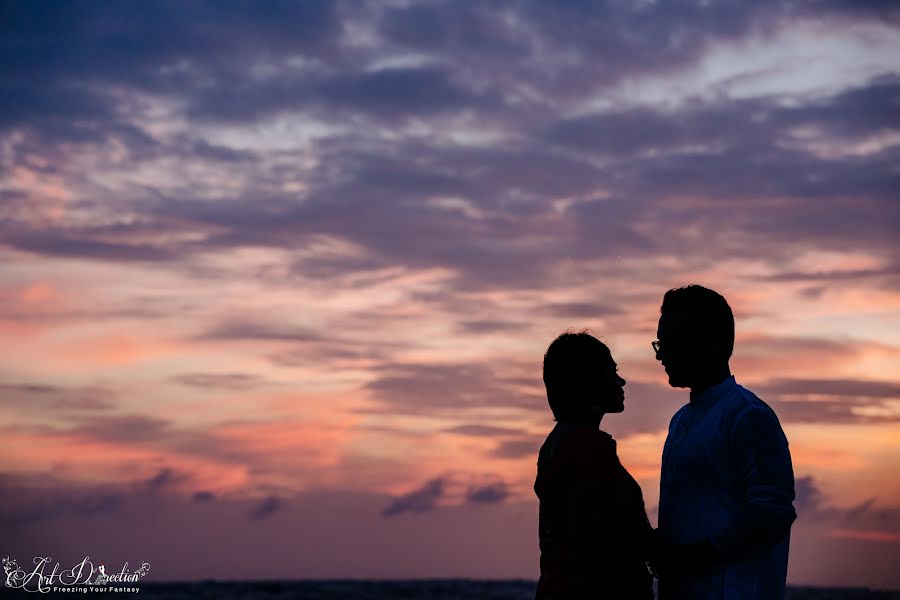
(581, 379)
(695, 333)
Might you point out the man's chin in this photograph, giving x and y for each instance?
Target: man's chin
(677, 382)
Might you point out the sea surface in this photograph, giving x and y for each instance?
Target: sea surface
(437, 589)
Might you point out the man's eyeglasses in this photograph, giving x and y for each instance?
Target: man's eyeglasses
(656, 345)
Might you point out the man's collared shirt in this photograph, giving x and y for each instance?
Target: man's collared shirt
(727, 477)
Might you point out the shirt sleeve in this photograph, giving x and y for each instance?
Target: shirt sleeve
(760, 455)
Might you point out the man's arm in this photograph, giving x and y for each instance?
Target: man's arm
(759, 451)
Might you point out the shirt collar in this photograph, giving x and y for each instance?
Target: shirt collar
(713, 392)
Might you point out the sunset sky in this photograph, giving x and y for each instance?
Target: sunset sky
(276, 278)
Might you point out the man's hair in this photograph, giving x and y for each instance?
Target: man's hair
(567, 362)
(708, 313)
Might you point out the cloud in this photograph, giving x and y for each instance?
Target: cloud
(808, 497)
(472, 536)
(227, 381)
(834, 387)
(128, 429)
(488, 494)
(855, 512)
(833, 400)
(165, 478)
(27, 500)
(240, 330)
(418, 388)
(480, 430)
(78, 48)
(580, 310)
(380, 186)
(812, 504)
(518, 448)
(389, 199)
(489, 326)
(52, 398)
(203, 496)
(421, 500)
(266, 508)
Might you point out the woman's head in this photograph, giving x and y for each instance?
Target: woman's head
(580, 377)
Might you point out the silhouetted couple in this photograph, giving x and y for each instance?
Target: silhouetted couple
(726, 487)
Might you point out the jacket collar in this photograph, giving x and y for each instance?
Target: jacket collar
(713, 392)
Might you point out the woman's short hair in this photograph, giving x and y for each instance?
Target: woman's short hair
(568, 363)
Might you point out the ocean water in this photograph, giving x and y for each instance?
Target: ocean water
(438, 589)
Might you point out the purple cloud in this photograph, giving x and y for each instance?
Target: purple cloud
(423, 499)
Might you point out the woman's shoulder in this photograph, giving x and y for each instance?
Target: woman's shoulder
(584, 446)
(593, 438)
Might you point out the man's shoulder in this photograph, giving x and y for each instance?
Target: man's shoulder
(678, 414)
(749, 409)
(746, 399)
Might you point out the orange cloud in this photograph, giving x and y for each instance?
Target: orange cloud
(47, 194)
(76, 457)
(114, 348)
(869, 536)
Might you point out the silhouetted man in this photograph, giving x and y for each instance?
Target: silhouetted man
(727, 486)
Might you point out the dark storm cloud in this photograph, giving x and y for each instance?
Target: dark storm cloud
(423, 499)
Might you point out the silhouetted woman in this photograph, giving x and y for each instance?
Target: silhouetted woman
(593, 528)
